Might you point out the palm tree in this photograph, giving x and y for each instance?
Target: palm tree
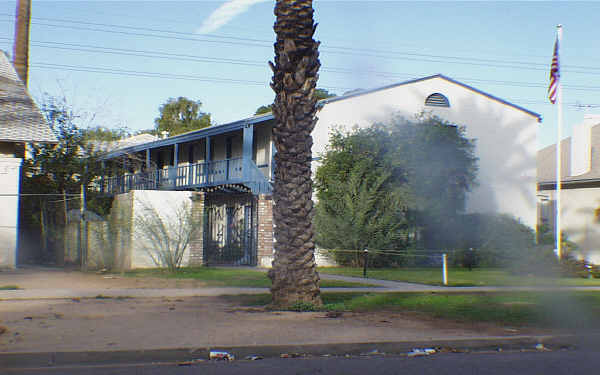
(294, 276)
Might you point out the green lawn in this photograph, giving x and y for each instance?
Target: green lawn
(234, 277)
(535, 309)
(459, 276)
(9, 287)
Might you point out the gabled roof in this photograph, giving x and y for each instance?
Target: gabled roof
(259, 119)
(20, 118)
(440, 76)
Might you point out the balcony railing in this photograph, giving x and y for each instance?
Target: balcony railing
(198, 175)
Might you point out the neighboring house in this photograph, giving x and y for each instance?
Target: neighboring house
(231, 165)
(21, 123)
(580, 191)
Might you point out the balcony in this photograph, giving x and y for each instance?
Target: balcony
(238, 172)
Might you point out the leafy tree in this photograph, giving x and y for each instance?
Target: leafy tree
(181, 115)
(442, 169)
(294, 276)
(103, 134)
(319, 94)
(57, 171)
(263, 109)
(386, 186)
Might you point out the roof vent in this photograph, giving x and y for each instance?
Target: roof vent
(437, 100)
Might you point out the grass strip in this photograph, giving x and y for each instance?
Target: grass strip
(9, 287)
(459, 276)
(579, 310)
(231, 277)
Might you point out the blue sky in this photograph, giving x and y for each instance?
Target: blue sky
(120, 60)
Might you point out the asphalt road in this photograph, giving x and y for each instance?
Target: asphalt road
(571, 362)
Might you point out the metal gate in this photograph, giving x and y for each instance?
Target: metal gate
(230, 229)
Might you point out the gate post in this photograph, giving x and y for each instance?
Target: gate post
(197, 242)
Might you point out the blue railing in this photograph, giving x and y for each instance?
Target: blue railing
(213, 173)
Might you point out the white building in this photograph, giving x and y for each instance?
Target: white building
(504, 133)
(580, 192)
(231, 164)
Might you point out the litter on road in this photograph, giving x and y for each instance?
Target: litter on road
(421, 352)
(220, 356)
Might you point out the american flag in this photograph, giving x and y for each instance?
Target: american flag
(554, 75)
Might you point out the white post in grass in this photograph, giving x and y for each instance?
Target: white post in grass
(445, 268)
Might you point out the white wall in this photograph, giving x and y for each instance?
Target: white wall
(580, 220)
(166, 204)
(10, 169)
(505, 138)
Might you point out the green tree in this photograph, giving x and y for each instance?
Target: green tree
(363, 196)
(58, 171)
(295, 72)
(385, 186)
(319, 94)
(263, 109)
(442, 169)
(181, 115)
(103, 134)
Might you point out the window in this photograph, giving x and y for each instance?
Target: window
(437, 100)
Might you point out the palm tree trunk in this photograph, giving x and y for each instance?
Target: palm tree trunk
(294, 276)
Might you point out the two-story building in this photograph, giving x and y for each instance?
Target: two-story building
(230, 166)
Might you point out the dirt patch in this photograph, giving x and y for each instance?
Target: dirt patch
(151, 323)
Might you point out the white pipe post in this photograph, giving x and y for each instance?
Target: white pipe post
(445, 268)
(558, 147)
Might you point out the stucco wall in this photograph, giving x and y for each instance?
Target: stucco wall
(505, 138)
(10, 169)
(580, 219)
(146, 203)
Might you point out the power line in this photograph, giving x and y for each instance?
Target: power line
(134, 73)
(387, 54)
(186, 57)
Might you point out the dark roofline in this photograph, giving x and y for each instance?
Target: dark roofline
(190, 136)
(581, 183)
(343, 97)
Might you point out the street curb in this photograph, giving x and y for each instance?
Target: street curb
(58, 359)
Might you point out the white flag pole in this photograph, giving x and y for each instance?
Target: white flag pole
(558, 147)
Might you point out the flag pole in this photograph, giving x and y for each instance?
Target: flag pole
(559, 153)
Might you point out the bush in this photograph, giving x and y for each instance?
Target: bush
(496, 240)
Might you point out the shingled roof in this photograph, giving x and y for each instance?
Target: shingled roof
(20, 118)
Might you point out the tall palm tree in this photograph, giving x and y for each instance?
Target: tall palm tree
(294, 276)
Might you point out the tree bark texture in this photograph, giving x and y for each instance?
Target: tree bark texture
(295, 73)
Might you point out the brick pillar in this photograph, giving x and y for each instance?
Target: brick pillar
(265, 231)
(196, 257)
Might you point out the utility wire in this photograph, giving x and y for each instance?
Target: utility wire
(342, 48)
(185, 57)
(397, 55)
(131, 73)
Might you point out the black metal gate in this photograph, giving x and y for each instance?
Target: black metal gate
(230, 229)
